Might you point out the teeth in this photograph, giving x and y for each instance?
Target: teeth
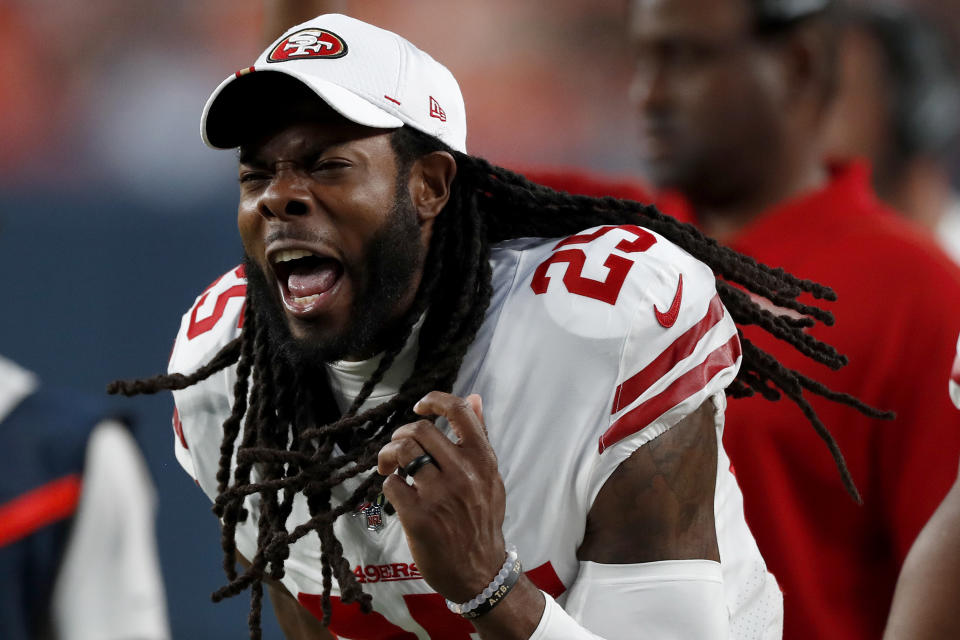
(291, 254)
(306, 299)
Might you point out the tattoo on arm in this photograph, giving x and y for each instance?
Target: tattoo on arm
(658, 504)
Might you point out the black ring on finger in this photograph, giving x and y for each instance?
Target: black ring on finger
(418, 463)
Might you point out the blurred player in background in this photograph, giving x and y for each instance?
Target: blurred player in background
(898, 105)
(732, 98)
(78, 555)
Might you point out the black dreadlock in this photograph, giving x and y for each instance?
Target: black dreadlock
(289, 416)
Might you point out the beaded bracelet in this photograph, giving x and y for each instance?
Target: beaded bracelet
(490, 597)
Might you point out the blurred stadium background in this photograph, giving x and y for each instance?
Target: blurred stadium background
(114, 216)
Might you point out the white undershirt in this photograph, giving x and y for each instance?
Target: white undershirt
(347, 377)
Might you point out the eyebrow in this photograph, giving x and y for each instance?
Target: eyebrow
(250, 155)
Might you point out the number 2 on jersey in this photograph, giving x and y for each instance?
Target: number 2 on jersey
(606, 290)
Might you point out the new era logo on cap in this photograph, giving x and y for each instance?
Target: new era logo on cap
(308, 43)
(436, 111)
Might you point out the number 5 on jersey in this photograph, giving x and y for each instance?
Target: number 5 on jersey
(200, 326)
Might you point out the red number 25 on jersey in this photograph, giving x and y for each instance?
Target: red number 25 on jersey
(606, 290)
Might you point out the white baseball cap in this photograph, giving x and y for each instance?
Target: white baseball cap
(366, 74)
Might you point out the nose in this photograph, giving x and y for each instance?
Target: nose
(287, 196)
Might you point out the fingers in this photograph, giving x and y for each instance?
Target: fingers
(400, 494)
(397, 454)
(476, 403)
(463, 480)
(420, 437)
(464, 415)
(412, 440)
(400, 452)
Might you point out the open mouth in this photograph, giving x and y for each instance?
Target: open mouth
(305, 279)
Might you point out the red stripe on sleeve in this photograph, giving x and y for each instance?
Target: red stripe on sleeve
(546, 579)
(682, 347)
(178, 427)
(39, 507)
(679, 390)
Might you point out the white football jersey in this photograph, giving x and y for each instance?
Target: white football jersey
(591, 347)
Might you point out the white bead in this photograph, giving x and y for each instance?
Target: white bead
(493, 587)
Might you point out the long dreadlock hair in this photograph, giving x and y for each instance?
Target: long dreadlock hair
(289, 418)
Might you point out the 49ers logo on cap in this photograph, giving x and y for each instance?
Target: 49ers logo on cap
(309, 43)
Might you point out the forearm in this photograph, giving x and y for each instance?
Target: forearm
(516, 617)
(924, 603)
(669, 599)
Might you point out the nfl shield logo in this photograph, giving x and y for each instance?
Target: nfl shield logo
(372, 516)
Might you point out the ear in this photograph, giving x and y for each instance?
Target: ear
(430, 178)
(810, 59)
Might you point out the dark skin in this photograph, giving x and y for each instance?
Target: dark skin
(925, 601)
(727, 118)
(325, 187)
(329, 184)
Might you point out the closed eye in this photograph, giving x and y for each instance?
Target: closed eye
(253, 176)
(333, 164)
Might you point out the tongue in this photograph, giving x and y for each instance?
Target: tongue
(313, 278)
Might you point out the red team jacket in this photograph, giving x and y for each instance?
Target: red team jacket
(897, 317)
